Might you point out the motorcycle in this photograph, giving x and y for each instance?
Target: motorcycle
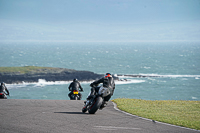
(75, 95)
(93, 104)
(3, 95)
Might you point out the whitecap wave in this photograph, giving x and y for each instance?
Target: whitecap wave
(158, 75)
(42, 82)
(128, 81)
(194, 98)
(176, 76)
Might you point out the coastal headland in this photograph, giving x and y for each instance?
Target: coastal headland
(12, 75)
(33, 74)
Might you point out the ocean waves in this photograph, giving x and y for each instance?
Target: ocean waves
(154, 71)
(123, 79)
(43, 82)
(157, 75)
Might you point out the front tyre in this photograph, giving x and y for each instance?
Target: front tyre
(84, 109)
(95, 105)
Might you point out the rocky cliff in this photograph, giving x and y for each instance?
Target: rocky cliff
(49, 74)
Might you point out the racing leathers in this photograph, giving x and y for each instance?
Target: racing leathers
(3, 90)
(75, 85)
(108, 82)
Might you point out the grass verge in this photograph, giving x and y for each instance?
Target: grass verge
(176, 112)
(25, 69)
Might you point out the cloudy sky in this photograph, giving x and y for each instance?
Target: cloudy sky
(99, 20)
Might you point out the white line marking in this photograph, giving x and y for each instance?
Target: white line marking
(115, 128)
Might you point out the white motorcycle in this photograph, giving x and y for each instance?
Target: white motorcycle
(96, 102)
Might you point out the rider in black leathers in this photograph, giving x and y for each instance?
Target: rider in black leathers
(3, 89)
(75, 85)
(108, 82)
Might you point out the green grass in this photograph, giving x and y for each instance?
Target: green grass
(22, 70)
(176, 112)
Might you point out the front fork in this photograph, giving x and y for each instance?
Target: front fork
(88, 102)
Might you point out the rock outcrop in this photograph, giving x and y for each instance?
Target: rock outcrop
(53, 74)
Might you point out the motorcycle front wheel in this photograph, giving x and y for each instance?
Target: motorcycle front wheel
(95, 105)
(84, 109)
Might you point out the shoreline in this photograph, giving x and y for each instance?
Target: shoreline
(32, 74)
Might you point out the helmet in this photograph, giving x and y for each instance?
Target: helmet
(2, 83)
(75, 80)
(107, 75)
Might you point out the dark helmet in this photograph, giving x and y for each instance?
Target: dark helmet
(2, 83)
(75, 80)
(107, 75)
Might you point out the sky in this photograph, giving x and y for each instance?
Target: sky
(99, 20)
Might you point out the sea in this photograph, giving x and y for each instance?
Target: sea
(175, 65)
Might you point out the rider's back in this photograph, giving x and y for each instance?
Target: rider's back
(109, 82)
(75, 86)
(2, 88)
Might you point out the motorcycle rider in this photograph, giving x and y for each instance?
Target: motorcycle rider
(75, 85)
(3, 89)
(108, 82)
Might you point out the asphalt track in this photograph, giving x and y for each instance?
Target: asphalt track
(64, 116)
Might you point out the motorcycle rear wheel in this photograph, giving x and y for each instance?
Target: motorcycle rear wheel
(3, 97)
(76, 98)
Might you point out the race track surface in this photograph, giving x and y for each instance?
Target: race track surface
(65, 116)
